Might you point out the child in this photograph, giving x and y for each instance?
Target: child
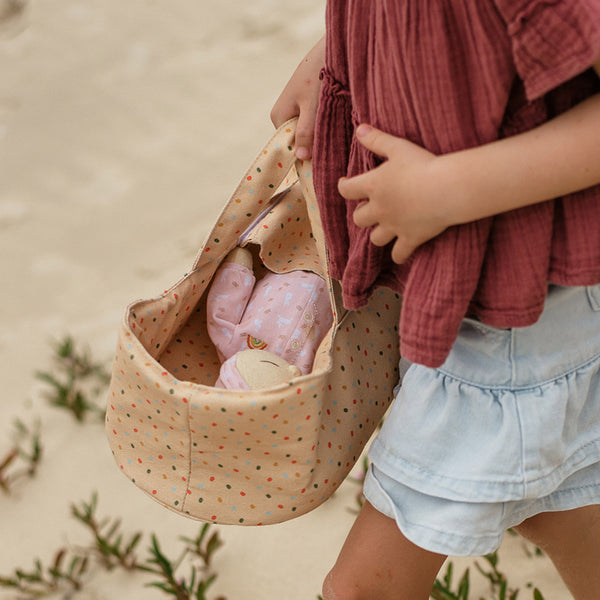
(456, 149)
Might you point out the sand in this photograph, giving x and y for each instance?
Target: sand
(123, 129)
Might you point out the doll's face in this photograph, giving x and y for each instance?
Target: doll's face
(261, 368)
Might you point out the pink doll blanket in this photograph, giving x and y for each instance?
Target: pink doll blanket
(287, 314)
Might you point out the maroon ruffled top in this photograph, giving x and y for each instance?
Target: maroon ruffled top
(449, 75)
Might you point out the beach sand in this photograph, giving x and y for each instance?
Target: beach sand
(124, 127)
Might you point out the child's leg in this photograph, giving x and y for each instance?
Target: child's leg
(378, 563)
(572, 541)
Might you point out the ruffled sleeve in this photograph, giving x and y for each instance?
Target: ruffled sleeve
(552, 40)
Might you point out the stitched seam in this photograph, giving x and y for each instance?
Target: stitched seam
(511, 358)
(530, 386)
(189, 470)
(454, 535)
(554, 502)
(593, 294)
(411, 469)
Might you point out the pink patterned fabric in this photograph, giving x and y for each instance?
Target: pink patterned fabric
(287, 314)
(229, 376)
(449, 76)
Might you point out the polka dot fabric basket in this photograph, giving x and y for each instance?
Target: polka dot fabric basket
(249, 457)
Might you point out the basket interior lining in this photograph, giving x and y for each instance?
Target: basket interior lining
(173, 328)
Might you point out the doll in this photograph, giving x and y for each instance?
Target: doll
(255, 369)
(287, 314)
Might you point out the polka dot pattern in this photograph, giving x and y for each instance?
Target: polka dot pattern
(249, 457)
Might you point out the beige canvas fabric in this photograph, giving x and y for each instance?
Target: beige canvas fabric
(249, 457)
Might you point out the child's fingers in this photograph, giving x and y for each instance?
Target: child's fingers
(305, 132)
(284, 109)
(380, 236)
(375, 140)
(363, 215)
(305, 128)
(401, 251)
(355, 188)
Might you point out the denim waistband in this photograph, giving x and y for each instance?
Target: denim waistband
(565, 338)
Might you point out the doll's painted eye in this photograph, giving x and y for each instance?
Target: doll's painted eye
(270, 362)
(255, 343)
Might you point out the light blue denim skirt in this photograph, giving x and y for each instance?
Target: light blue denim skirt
(507, 428)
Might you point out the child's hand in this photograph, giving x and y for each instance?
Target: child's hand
(405, 199)
(300, 98)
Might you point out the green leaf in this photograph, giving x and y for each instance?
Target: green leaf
(214, 543)
(449, 574)
(160, 559)
(165, 587)
(135, 540)
(463, 587)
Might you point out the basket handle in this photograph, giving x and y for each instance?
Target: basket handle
(255, 191)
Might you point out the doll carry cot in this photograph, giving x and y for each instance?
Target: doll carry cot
(249, 457)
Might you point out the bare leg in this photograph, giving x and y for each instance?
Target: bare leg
(378, 563)
(572, 541)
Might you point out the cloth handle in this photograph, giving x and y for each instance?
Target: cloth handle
(256, 191)
(263, 185)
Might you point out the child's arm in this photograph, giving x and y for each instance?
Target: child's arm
(300, 98)
(416, 195)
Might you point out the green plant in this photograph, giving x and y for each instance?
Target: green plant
(499, 586)
(109, 545)
(203, 545)
(442, 590)
(498, 581)
(179, 587)
(23, 458)
(75, 381)
(112, 549)
(66, 572)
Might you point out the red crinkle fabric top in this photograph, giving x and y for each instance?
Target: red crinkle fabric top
(450, 75)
